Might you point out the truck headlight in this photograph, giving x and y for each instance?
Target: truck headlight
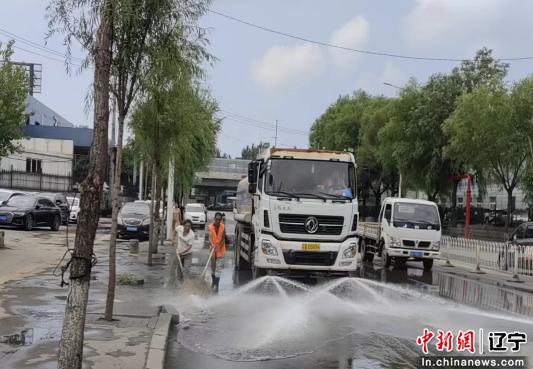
(394, 242)
(268, 249)
(350, 251)
(435, 245)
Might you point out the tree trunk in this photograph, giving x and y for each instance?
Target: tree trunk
(509, 209)
(157, 229)
(108, 315)
(71, 343)
(152, 217)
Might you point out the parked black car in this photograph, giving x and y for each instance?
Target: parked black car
(61, 201)
(134, 220)
(30, 211)
(7, 194)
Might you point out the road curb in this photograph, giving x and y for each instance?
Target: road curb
(159, 342)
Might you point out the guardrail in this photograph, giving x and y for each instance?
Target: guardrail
(504, 257)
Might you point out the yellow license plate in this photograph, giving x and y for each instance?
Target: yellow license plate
(310, 246)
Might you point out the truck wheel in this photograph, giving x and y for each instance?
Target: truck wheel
(367, 256)
(258, 272)
(428, 264)
(386, 259)
(237, 251)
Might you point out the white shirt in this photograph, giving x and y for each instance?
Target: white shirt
(184, 242)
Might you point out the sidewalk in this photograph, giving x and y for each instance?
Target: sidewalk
(32, 308)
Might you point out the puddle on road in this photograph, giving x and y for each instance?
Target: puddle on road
(273, 318)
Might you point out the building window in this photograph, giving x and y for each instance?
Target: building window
(33, 166)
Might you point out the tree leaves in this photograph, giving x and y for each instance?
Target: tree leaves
(13, 91)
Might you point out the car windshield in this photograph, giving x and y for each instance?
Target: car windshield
(416, 213)
(73, 201)
(21, 201)
(310, 178)
(135, 208)
(194, 209)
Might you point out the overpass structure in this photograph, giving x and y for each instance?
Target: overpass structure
(219, 180)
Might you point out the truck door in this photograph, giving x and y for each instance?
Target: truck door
(387, 219)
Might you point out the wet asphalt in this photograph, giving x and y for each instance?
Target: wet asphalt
(370, 321)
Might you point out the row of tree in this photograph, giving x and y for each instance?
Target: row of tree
(467, 121)
(147, 57)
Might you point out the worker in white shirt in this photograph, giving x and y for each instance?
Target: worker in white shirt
(184, 242)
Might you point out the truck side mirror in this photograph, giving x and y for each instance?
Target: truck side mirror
(252, 172)
(252, 176)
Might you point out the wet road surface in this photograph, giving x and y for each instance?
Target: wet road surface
(370, 321)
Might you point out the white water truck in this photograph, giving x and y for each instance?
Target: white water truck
(296, 213)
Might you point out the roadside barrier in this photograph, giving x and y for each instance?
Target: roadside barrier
(515, 260)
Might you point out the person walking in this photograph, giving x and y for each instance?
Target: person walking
(217, 244)
(185, 238)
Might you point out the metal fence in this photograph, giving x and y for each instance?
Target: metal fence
(34, 181)
(515, 260)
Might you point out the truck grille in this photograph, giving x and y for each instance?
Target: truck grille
(295, 223)
(310, 258)
(411, 243)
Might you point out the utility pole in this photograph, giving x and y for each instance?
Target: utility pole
(276, 137)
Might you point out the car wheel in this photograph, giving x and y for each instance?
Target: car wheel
(56, 223)
(28, 224)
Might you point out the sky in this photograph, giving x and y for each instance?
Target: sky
(261, 77)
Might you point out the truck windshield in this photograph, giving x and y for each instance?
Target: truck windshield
(310, 178)
(411, 215)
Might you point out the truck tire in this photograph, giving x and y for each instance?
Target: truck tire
(387, 259)
(240, 263)
(367, 256)
(428, 264)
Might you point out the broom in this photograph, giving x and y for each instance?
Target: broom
(200, 285)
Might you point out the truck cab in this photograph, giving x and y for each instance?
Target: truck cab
(409, 229)
(297, 213)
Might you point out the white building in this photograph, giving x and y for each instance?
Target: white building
(42, 164)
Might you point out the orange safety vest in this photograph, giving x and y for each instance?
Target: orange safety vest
(218, 241)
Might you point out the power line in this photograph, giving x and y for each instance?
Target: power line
(257, 121)
(360, 51)
(264, 127)
(36, 45)
(43, 56)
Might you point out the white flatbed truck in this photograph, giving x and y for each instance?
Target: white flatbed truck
(407, 229)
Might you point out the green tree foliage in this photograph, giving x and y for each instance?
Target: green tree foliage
(378, 173)
(485, 135)
(338, 128)
(415, 134)
(13, 92)
(251, 152)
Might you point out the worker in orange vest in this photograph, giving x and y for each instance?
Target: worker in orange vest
(217, 242)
